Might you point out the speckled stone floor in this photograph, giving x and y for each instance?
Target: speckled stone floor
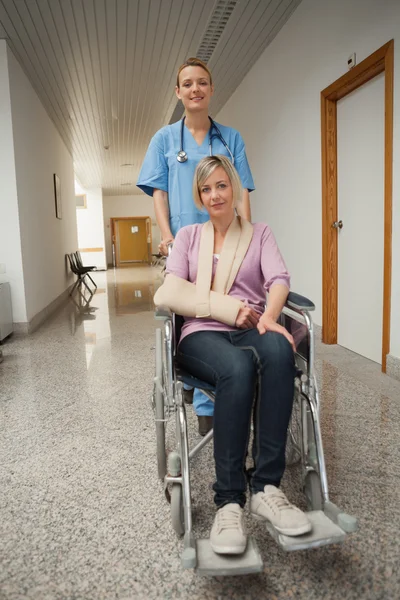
(82, 514)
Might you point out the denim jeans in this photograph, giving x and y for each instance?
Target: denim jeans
(234, 362)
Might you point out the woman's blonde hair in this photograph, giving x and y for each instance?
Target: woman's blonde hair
(193, 62)
(203, 171)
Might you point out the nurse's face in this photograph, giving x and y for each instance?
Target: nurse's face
(216, 194)
(194, 89)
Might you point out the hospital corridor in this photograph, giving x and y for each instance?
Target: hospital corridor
(199, 299)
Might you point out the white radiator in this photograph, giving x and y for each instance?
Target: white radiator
(6, 320)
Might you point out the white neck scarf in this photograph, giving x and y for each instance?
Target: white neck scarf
(234, 249)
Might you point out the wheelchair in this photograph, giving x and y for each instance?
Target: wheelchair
(304, 448)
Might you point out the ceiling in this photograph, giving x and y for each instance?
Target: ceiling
(105, 69)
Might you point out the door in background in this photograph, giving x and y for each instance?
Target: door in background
(131, 240)
(360, 155)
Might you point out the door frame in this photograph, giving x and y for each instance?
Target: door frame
(380, 61)
(116, 262)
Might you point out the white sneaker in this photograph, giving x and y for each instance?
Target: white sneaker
(227, 534)
(273, 506)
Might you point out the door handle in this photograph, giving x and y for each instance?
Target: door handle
(337, 224)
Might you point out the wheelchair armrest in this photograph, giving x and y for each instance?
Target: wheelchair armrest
(299, 303)
(163, 313)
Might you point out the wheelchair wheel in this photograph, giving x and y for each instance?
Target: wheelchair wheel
(178, 521)
(159, 409)
(313, 491)
(293, 443)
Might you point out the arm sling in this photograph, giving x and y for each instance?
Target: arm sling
(204, 299)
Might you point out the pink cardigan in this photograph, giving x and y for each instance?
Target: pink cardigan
(262, 267)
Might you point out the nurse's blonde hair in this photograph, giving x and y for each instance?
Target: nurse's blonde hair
(193, 62)
(203, 171)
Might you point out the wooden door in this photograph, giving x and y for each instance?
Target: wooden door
(380, 61)
(132, 241)
(360, 160)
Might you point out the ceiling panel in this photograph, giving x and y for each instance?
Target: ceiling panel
(245, 44)
(105, 69)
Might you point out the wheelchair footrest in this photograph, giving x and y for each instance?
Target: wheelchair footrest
(210, 563)
(323, 532)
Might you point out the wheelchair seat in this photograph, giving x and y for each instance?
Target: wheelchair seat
(191, 381)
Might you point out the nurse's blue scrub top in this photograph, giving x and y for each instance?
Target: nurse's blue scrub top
(161, 170)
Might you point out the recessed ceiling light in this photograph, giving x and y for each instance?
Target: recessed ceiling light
(127, 165)
(127, 183)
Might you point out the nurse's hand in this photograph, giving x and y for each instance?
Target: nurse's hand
(163, 247)
(247, 318)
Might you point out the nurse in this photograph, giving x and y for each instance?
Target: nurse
(168, 170)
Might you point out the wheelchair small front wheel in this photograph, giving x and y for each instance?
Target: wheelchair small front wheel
(313, 491)
(178, 521)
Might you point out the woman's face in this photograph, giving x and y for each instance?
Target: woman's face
(216, 194)
(194, 89)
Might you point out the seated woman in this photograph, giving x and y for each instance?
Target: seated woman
(218, 274)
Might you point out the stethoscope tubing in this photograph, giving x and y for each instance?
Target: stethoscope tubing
(182, 155)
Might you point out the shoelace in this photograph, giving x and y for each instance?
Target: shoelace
(228, 519)
(277, 501)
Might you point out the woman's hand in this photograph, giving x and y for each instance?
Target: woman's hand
(267, 323)
(163, 247)
(247, 318)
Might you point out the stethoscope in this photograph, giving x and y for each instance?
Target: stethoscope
(182, 155)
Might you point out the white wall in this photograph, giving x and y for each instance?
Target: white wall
(277, 110)
(10, 246)
(138, 205)
(40, 152)
(90, 225)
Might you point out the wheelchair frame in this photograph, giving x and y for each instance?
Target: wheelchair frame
(330, 524)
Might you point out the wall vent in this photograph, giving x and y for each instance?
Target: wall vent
(215, 28)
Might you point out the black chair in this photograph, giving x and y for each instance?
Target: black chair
(79, 263)
(80, 274)
(82, 268)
